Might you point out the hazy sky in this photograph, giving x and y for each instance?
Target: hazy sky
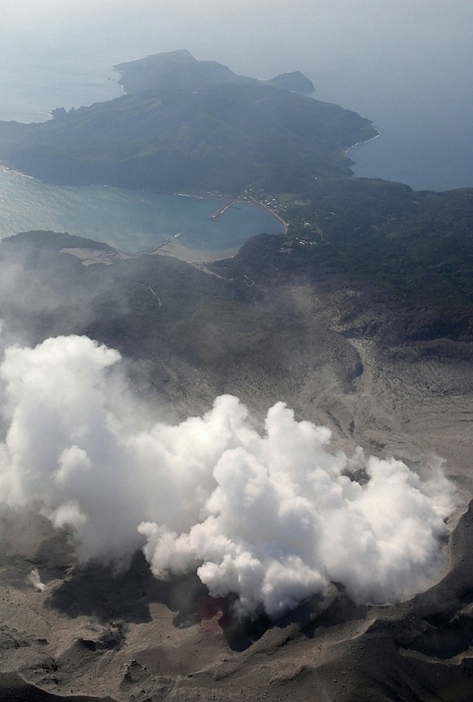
(242, 31)
(333, 40)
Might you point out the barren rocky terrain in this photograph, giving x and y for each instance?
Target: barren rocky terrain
(338, 355)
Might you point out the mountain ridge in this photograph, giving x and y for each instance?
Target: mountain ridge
(180, 69)
(219, 137)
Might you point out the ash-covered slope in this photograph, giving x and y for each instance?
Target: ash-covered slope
(91, 635)
(320, 344)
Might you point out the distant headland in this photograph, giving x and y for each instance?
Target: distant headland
(191, 126)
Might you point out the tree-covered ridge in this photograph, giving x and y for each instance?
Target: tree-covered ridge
(418, 246)
(175, 69)
(295, 81)
(217, 138)
(179, 69)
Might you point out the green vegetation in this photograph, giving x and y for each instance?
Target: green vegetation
(179, 69)
(189, 134)
(175, 69)
(195, 126)
(416, 245)
(295, 81)
(36, 241)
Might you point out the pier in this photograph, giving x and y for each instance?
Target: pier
(221, 210)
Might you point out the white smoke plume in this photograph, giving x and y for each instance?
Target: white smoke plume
(34, 579)
(269, 515)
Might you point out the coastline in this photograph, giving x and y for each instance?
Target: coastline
(249, 199)
(198, 257)
(193, 256)
(276, 215)
(18, 186)
(359, 143)
(173, 247)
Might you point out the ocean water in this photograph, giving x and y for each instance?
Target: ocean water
(127, 219)
(425, 138)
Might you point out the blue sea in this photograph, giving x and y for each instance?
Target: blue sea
(130, 220)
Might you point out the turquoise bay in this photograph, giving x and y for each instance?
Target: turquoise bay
(126, 219)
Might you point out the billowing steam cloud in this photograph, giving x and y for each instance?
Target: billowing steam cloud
(269, 515)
